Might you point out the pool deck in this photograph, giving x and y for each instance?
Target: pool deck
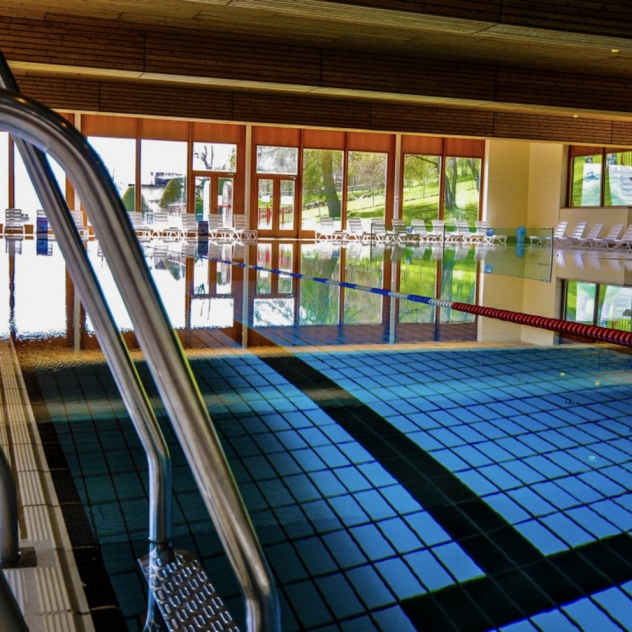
(47, 588)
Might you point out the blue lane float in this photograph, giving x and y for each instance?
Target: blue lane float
(592, 332)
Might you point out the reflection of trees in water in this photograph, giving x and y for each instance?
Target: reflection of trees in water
(320, 301)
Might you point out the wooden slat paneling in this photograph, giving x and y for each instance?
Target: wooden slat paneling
(432, 120)
(61, 94)
(152, 101)
(402, 75)
(229, 58)
(90, 44)
(317, 112)
(562, 129)
(165, 101)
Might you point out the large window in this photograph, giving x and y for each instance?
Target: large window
(585, 187)
(214, 157)
(618, 185)
(281, 160)
(25, 196)
(422, 182)
(600, 177)
(163, 176)
(366, 185)
(119, 158)
(461, 193)
(322, 186)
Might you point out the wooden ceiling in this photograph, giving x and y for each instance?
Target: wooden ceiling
(574, 38)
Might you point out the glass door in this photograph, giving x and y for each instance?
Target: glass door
(276, 206)
(214, 193)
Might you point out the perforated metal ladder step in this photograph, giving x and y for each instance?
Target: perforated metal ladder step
(184, 594)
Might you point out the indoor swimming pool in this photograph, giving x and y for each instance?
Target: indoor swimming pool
(405, 467)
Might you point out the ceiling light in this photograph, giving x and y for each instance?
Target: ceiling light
(614, 50)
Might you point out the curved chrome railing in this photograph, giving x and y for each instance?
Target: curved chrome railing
(169, 367)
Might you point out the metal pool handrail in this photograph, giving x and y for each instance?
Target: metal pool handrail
(110, 339)
(169, 367)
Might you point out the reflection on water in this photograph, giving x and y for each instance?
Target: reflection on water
(201, 290)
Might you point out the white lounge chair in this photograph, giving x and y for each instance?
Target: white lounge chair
(593, 233)
(142, 230)
(478, 236)
(327, 229)
(625, 241)
(355, 229)
(577, 234)
(242, 231)
(462, 229)
(189, 226)
(438, 230)
(14, 222)
(545, 240)
(613, 235)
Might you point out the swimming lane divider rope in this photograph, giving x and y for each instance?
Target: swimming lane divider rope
(594, 332)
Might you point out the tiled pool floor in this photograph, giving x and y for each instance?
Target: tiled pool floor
(467, 490)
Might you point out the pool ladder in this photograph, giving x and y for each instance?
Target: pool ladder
(181, 596)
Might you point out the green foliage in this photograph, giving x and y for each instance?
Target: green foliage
(173, 193)
(129, 199)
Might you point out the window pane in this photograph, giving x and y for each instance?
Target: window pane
(264, 204)
(119, 157)
(322, 186)
(618, 179)
(214, 157)
(202, 197)
(462, 189)
(366, 184)
(277, 160)
(586, 180)
(422, 179)
(286, 221)
(25, 196)
(615, 307)
(163, 176)
(580, 302)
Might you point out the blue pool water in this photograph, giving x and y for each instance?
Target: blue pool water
(399, 476)
(443, 490)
